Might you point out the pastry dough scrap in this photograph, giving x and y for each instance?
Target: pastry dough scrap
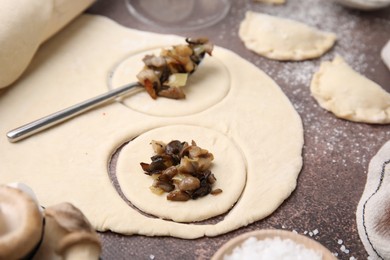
(349, 95)
(283, 39)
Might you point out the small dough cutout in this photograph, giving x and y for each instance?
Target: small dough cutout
(349, 95)
(283, 39)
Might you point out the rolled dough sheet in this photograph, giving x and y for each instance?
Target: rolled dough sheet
(70, 162)
(24, 25)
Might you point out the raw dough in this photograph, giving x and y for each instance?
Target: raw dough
(228, 167)
(283, 39)
(24, 25)
(349, 95)
(373, 211)
(69, 162)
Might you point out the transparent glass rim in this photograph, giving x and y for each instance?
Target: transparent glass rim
(180, 27)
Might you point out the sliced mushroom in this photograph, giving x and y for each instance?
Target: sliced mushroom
(178, 195)
(166, 186)
(189, 184)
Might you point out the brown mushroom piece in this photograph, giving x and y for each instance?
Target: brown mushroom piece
(178, 195)
(159, 163)
(164, 185)
(21, 224)
(189, 184)
(203, 190)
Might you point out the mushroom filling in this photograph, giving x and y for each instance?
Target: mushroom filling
(181, 170)
(165, 75)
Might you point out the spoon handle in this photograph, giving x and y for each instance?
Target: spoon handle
(67, 113)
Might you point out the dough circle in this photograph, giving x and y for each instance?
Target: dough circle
(228, 167)
(211, 77)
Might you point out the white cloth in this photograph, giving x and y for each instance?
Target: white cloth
(24, 25)
(373, 211)
(386, 54)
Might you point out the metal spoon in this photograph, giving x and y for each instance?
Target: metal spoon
(67, 113)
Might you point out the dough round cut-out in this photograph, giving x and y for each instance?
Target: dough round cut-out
(211, 77)
(69, 162)
(228, 167)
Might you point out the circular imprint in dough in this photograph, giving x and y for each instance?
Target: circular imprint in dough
(211, 77)
(228, 167)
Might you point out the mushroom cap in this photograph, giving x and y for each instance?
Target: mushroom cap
(20, 223)
(69, 234)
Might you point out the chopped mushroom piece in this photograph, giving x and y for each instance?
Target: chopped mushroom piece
(180, 169)
(165, 75)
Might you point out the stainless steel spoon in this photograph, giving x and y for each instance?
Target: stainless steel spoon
(67, 113)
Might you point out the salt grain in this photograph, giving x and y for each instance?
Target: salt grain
(275, 248)
(339, 241)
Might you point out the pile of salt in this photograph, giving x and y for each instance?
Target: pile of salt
(275, 248)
